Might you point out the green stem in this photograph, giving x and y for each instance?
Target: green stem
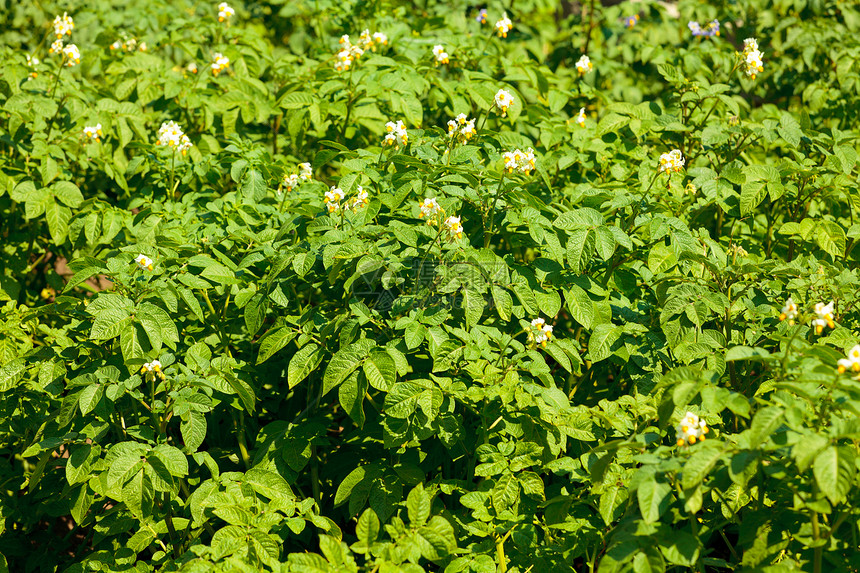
(488, 235)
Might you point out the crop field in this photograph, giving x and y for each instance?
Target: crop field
(304, 286)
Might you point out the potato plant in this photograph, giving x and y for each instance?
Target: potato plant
(300, 286)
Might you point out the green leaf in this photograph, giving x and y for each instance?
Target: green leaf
(138, 495)
(269, 484)
(193, 429)
(834, 470)
(350, 394)
(173, 459)
(344, 362)
(418, 506)
(700, 464)
(503, 302)
(380, 371)
(274, 341)
(67, 193)
(653, 498)
(255, 312)
(129, 341)
(506, 491)
(303, 363)
(830, 237)
(580, 305)
(601, 340)
(243, 390)
(367, 531)
(58, 217)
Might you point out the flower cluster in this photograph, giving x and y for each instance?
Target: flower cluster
(220, 62)
(171, 135)
(129, 45)
(522, 161)
(540, 332)
(94, 132)
(71, 55)
(360, 200)
(690, 430)
(462, 128)
(144, 262)
(293, 180)
(503, 101)
(789, 311)
(32, 62)
(396, 133)
(672, 161)
(440, 54)
(333, 198)
(481, 18)
(454, 228)
(225, 12)
(823, 316)
(630, 21)
(153, 368)
(712, 28)
(580, 118)
(752, 58)
(431, 209)
(851, 363)
(584, 65)
(734, 120)
(504, 25)
(350, 52)
(63, 26)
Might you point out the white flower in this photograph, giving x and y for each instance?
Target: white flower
(752, 58)
(380, 38)
(333, 197)
(504, 26)
(171, 135)
(462, 128)
(153, 368)
(672, 161)
(455, 229)
(32, 62)
(365, 40)
(851, 363)
(63, 25)
(583, 65)
(144, 262)
(220, 63)
(396, 133)
(305, 171)
(690, 430)
(753, 63)
(503, 101)
(191, 68)
(56, 47)
(71, 55)
(342, 61)
(431, 209)
(440, 54)
(540, 332)
(580, 118)
(824, 316)
(361, 199)
(93, 132)
(225, 12)
(517, 160)
(290, 182)
(789, 311)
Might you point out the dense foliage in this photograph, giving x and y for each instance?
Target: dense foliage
(270, 303)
